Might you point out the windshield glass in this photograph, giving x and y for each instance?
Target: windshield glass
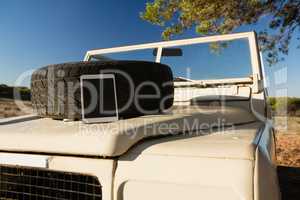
(205, 61)
(211, 61)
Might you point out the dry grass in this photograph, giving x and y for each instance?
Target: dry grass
(8, 108)
(288, 150)
(288, 141)
(288, 156)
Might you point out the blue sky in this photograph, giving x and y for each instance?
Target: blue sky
(34, 33)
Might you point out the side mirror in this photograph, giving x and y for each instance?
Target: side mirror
(168, 52)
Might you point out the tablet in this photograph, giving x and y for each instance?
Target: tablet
(98, 98)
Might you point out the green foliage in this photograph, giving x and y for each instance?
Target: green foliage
(285, 105)
(8, 92)
(23, 90)
(209, 17)
(272, 102)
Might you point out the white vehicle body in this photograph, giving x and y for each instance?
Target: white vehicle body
(202, 163)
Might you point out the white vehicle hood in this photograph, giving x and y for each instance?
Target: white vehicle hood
(43, 135)
(238, 142)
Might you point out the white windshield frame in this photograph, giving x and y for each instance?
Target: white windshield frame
(256, 78)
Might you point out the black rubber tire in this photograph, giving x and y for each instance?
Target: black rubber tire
(56, 92)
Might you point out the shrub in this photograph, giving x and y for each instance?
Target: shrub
(284, 105)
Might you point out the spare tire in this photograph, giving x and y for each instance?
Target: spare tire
(56, 88)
